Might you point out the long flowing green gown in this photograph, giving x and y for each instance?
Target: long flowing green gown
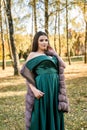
(45, 114)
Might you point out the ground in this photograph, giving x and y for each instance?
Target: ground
(12, 98)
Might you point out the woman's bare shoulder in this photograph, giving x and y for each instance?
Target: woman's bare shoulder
(31, 55)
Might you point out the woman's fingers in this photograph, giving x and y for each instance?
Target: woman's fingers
(40, 94)
(37, 92)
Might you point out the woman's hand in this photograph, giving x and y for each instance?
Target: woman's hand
(37, 93)
(51, 51)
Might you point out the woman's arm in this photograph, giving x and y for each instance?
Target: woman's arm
(37, 93)
(27, 74)
(52, 52)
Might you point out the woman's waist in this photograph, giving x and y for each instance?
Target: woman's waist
(44, 71)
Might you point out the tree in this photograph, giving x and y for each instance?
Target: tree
(83, 6)
(2, 39)
(35, 18)
(11, 36)
(85, 17)
(7, 33)
(55, 29)
(67, 34)
(46, 16)
(59, 27)
(34, 13)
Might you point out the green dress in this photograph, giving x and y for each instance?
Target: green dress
(45, 114)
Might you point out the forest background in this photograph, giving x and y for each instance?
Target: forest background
(65, 22)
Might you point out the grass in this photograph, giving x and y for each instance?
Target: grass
(10, 63)
(76, 76)
(12, 105)
(12, 113)
(75, 58)
(12, 98)
(77, 92)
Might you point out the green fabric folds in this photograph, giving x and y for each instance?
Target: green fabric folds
(45, 114)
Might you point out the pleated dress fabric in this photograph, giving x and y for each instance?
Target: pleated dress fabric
(45, 114)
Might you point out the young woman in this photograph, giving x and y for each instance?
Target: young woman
(46, 99)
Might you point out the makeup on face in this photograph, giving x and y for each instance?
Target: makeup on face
(43, 42)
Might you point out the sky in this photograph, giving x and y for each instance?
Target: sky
(77, 13)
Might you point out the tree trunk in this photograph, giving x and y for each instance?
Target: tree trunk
(68, 47)
(35, 17)
(46, 16)
(85, 57)
(8, 41)
(55, 32)
(85, 17)
(10, 51)
(2, 39)
(59, 27)
(11, 36)
(32, 22)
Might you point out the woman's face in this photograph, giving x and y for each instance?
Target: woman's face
(42, 43)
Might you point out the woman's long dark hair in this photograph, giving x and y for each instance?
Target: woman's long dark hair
(35, 40)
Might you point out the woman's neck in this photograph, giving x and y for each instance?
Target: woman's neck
(40, 52)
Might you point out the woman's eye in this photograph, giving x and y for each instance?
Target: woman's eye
(46, 40)
(41, 40)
